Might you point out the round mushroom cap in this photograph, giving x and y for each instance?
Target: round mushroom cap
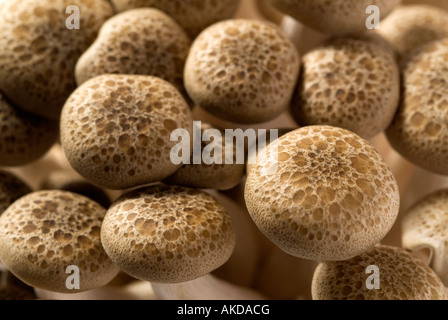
(168, 234)
(401, 277)
(410, 27)
(45, 232)
(215, 174)
(193, 15)
(419, 131)
(336, 16)
(348, 83)
(242, 71)
(141, 41)
(24, 137)
(331, 197)
(11, 189)
(116, 129)
(39, 52)
(426, 227)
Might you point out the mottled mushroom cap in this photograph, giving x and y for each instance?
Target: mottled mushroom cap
(217, 176)
(401, 277)
(419, 131)
(168, 234)
(410, 27)
(335, 16)
(45, 232)
(193, 15)
(426, 227)
(242, 71)
(24, 136)
(348, 83)
(142, 41)
(331, 198)
(38, 52)
(116, 129)
(11, 189)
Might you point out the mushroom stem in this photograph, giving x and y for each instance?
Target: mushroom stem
(207, 287)
(293, 29)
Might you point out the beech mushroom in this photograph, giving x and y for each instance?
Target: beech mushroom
(11, 189)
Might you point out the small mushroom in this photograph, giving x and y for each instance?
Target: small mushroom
(334, 17)
(38, 52)
(362, 96)
(116, 129)
(242, 71)
(193, 15)
(24, 137)
(141, 41)
(168, 234)
(419, 131)
(410, 27)
(11, 189)
(401, 277)
(331, 197)
(44, 233)
(211, 175)
(426, 227)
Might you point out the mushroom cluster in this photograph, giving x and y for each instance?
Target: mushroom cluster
(223, 150)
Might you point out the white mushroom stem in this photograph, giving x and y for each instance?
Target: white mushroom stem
(137, 290)
(205, 288)
(293, 29)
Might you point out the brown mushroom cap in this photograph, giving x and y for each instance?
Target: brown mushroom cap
(402, 277)
(193, 15)
(24, 137)
(348, 83)
(168, 234)
(335, 16)
(242, 71)
(420, 131)
(426, 226)
(410, 27)
(11, 189)
(45, 232)
(141, 41)
(116, 129)
(331, 198)
(39, 52)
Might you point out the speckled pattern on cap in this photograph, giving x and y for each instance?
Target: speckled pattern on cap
(116, 129)
(45, 232)
(193, 15)
(168, 234)
(242, 71)
(402, 277)
(348, 83)
(331, 198)
(419, 131)
(11, 189)
(24, 137)
(38, 53)
(141, 41)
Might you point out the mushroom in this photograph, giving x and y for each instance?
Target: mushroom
(193, 15)
(11, 189)
(331, 198)
(24, 137)
(400, 277)
(419, 131)
(362, 96)
(426, 227)
(334, 17)
(39, 52)
(243, 71)
(168, 234)
(116, 129)
(141, 41)
(46, 233)
(210, 175)
(410, 27)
